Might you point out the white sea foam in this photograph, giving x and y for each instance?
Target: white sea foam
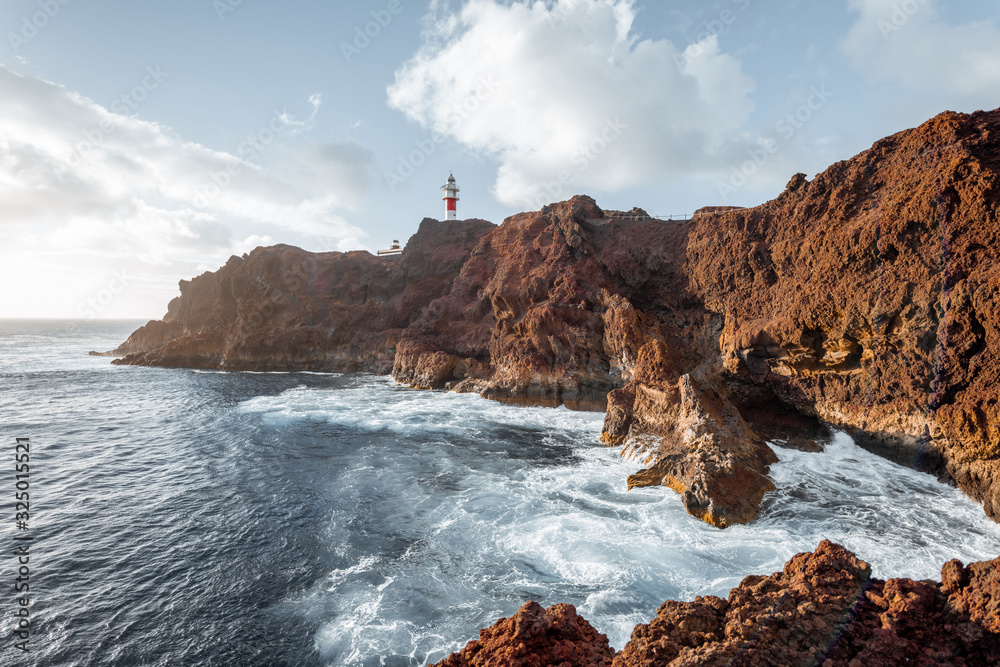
(379, 403)
(484, 531)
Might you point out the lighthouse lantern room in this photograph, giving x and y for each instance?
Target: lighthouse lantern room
(450, 191)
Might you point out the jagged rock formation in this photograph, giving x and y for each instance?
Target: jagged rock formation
(868, 298)
(823, 608)
(534, 314)
(536, 637)
(703, 448)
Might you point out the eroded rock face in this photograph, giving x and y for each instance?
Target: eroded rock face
(868, 297)
(282, 308)
(548, 309)
(567, 304)
(700, 445)
(536, 637)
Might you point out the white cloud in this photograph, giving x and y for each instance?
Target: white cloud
(85, 186)
(907, 42)
(566, 88)
(251, 242)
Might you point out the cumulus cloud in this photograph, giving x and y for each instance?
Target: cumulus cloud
(910, 44)
(86, 185)
(565, 93)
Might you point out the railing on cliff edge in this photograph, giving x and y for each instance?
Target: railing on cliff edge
(683, 217)
(611, 215)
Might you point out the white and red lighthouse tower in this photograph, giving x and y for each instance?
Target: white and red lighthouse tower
(450, 191)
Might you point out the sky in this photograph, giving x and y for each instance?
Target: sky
(142, 143)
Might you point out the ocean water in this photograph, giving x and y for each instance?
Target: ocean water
(202, 518)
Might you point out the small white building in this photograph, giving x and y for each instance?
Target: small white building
(393, 250)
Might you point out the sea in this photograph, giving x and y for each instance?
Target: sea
(187, 517)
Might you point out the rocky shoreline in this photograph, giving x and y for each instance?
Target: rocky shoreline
(824, 608)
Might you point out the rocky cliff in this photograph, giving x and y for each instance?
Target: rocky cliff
(282, 308)
(551, 309)
(823, 608)
(866, 299)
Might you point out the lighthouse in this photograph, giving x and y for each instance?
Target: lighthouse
(450, 191)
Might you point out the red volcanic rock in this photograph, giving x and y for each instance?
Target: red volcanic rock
(282, 308)
(974, 591)
(702, 447)
(869, 297)
(822, 609)
(536, 637)
(565, 305)
(546, 310)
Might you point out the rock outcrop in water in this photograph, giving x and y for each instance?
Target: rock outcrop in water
(868, 298)
(824, 608)
(702, 447)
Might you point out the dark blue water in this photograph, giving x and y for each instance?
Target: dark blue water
(200, 518)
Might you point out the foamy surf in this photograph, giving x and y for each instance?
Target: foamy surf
(498, 504)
